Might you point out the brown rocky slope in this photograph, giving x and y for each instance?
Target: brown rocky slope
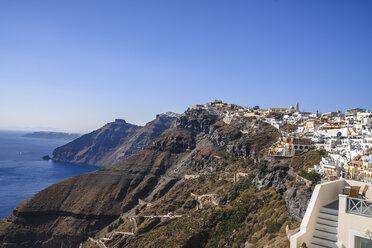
(90, 205)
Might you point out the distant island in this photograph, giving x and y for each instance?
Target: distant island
(52, 135)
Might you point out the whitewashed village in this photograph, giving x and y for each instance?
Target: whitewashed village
(347, 137)
(339, 213)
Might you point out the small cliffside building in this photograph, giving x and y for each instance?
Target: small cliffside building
(299, 145)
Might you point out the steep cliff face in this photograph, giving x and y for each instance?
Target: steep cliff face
(280, 174)
(244, 137)
(152, 182)
(114, 141)
(297, 198)
(273, 174)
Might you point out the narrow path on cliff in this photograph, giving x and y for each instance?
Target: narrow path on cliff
(100, 241)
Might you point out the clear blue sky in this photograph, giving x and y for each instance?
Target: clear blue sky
(75, 65)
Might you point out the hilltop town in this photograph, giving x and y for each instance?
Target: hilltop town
(346, 137)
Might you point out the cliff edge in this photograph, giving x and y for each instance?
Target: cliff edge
(114, 141)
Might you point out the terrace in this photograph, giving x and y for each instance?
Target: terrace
(339, 214)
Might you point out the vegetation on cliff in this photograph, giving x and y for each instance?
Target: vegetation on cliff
(307, 160)
(244, 215)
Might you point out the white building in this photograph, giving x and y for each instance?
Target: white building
(276, 123)
(334, 219)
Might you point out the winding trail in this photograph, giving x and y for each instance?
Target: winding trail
(100, 241)
(169, 215)
(213, 198)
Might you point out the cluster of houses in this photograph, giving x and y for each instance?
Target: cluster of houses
(339, 213)
(347, 137)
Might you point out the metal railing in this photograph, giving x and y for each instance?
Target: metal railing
(359, 206)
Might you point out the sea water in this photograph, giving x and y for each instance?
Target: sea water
(23, 172)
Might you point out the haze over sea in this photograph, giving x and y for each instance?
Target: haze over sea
(23, 173)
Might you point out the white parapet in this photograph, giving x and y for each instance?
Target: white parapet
(323, 194)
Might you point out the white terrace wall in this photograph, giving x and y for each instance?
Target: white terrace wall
(351, 225)
(323, 194)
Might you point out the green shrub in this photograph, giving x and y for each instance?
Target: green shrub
(312, 176)
(273, 227)
(308, 159)
(272, 236)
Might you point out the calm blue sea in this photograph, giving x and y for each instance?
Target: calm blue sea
(22, 171)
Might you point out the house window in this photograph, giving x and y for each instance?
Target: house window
(362, 242)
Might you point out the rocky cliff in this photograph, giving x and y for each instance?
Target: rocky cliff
(278, 173)
(114, 141)
(210, 175)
